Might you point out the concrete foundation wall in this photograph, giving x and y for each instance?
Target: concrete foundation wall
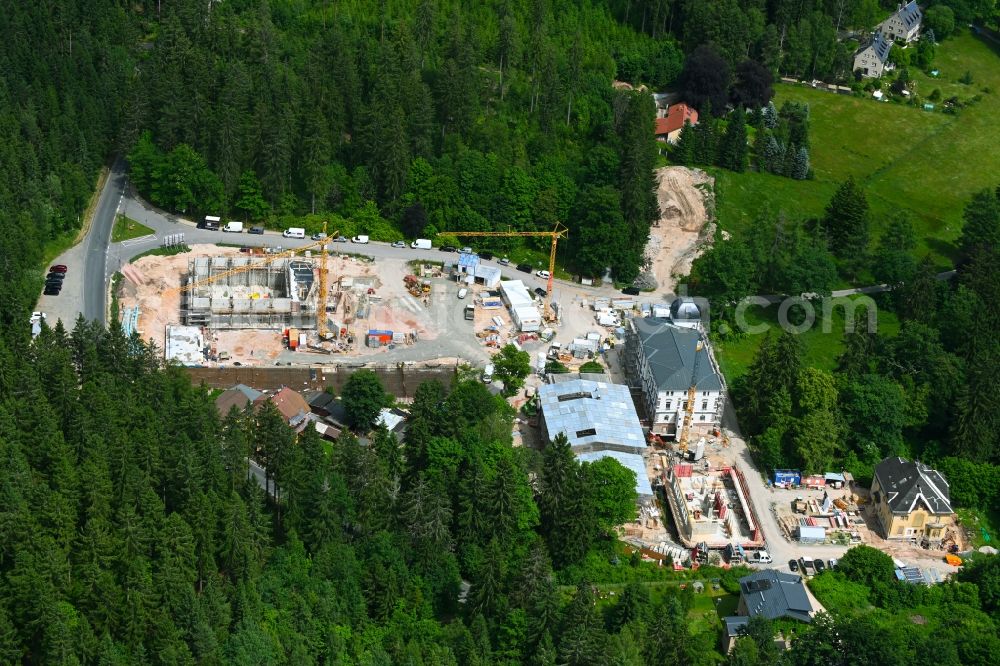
(268, 296)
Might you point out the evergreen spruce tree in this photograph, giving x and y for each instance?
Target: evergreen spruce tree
(846, 221)
(683, 153)
(732, 153)
(705, 139)
(801, 171)
(772, 156)
(770, 116)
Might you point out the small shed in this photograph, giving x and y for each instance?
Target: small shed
(814, 481)
(834, 479)
(812, 534)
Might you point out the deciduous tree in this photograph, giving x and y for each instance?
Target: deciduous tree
(363, 398)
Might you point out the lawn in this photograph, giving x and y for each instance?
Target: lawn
(704, 619)
(820, 347)
(126, 229)
(927, 163)
(977, 521)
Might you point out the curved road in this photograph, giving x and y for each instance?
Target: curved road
(163, 224)
(92, 262)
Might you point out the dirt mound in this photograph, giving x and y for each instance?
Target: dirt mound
(686, 201)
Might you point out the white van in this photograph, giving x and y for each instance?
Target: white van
(233, 227)
(760, 557)
(363, 240)
(294, 232)
(421, 244)
(463, 292)
(488, 373)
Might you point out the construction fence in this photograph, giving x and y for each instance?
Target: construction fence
(399, 380)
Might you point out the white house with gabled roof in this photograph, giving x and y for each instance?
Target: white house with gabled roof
(903, 25)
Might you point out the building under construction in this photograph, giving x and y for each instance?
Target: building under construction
(250, 292)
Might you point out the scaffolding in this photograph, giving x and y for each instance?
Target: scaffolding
(247, 292)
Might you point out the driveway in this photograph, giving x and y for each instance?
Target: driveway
(762, 498)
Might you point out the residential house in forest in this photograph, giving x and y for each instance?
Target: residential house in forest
(772, 594)
(291, 404)
(871, 60)
(663, 361)
(669, 128)
(903, 25)
(238, 396)
(911, 501)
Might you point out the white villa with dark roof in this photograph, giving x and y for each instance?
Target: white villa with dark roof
(660, 359)
(872, 60)
(903, 25)
(911, 500)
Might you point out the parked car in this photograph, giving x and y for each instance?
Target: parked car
(540, 292)
(244, 249)
(209, 226)
(504, 261)
(832, 564)
(256, 230)
(447, 248)
(37, 317)
(360, 239)
(631, 291)
(463, 292)
(319, 235)
(465, 250)
(58, 268)
(759, 557)
(820, 566)
(52, 290)
(54, 278)
(398, 244)
(542, 274)
(524, 268)
(340, 239)
(793, 565)
(486, 255)
(808, 568)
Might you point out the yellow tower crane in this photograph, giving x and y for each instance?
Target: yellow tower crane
(560, 231)
(685, 434)
(321, 323)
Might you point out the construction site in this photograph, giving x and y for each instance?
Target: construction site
(236, 292)
(710, 506)
(247, 306)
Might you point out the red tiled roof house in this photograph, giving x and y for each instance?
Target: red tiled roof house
(669, 128)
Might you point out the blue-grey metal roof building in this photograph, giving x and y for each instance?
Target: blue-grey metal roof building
(670, 352)
(599, 420)
(596, 416)
(774, 594)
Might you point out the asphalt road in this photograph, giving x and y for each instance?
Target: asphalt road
(96, 243)
(163, 224)
(85, 289)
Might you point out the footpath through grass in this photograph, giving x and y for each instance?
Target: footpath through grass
(926, 163)
(126, 229)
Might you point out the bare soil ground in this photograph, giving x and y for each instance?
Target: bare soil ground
(151, 283)
(687, 205)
